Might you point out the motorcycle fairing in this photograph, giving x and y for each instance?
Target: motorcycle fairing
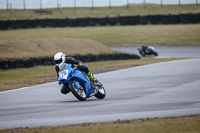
(83, 78)
(69, 75)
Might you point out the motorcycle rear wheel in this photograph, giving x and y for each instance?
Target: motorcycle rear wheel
(155, 54)
(101, 93)
(78, 93)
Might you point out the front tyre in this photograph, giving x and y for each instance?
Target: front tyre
(78, 93)
(101, 92)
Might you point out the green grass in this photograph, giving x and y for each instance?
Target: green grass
(187, 124)
(176, 35)
(23, 77)
(100, 11)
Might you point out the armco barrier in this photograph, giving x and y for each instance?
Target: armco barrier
(120, 20)
(25, 63)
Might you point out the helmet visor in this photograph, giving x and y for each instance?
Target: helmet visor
(58, 61)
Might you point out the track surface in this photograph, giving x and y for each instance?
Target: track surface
(157, 90)
(167, 51)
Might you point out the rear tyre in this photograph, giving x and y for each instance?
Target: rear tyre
(155, 54)
(101, 93)
(78, 93)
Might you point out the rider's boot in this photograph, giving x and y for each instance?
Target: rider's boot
(93, 79)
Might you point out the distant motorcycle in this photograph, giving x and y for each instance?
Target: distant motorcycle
(147, 50)
(79, 83)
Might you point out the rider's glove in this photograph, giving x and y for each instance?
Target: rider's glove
(59, 83)
(80, 63)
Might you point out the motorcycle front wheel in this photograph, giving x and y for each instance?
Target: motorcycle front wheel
(78, 93)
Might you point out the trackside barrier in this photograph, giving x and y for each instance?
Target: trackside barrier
(165, 19)
(118, 20)
(103, 21)
(25, 63)
(194, 18)
(144, 20)
(124, 20)
(134, 20)
(154, 19)
(92, 21)
(174, 19)
(23, 24)
(113, 20)
(82, 22)
(42, 22)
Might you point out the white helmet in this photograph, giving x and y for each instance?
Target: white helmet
(59, 58)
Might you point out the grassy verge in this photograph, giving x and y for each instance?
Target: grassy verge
(187, 124)
(100, 11)
(23, 77)
(175, 35)
(48, 47)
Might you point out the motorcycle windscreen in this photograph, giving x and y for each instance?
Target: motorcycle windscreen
(63, 75)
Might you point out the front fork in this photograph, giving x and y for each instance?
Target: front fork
(76, 83)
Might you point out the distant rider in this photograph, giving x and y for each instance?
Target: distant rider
(144, 48)
(61, 60)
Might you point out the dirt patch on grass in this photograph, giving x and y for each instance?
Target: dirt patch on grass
(48, 47)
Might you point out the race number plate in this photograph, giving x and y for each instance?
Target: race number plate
(64, 74)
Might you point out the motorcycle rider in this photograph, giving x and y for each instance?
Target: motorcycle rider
(147, 50)
(61, 60)
(144, 48)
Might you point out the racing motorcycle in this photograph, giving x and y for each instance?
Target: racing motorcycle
(79, 83)
(147, 50)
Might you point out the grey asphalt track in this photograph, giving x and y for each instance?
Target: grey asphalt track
(167, 52)
(156, 90)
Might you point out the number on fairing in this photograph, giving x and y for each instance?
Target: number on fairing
(64, 74)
